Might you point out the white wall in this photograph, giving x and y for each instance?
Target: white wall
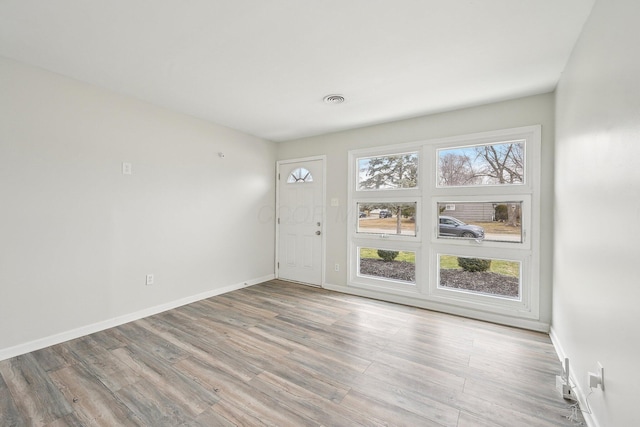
(596, 295)
(509, 114)
(77, 237)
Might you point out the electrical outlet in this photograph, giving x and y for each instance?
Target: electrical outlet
(337, 267)
(567, 393)
(127, 169)
(562, 385)
(601, 371)
(595, 379)
(149, 281)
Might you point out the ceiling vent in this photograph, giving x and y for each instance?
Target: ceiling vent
(334, 99)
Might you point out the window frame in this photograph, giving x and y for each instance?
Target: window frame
(426, 244)
(356, 240)
(527, 252)
(493, 303)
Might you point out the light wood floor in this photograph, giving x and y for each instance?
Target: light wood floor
(280, 354)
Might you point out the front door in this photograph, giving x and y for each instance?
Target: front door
(300, 217)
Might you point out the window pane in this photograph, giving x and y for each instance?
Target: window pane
(491, 221)
(299, 175)
(388, 172)
(386, 264)
(490, 164)
(387, 218)
(492, 277)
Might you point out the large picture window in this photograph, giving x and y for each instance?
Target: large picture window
(460, 214)
(385, 192)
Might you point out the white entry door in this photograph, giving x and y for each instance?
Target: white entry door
(300, 221)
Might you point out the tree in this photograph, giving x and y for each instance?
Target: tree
(501, 212)
(483, 164)
(501, 163)
(513, 212)
(400, 210)
(400, 171)
(388, 172)
(387, 256)
(456, 169)
(474, 265)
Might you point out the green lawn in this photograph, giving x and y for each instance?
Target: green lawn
(507, 268)
(402, 256)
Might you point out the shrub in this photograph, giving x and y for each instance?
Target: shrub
(474, 264)
(502, 213)
(387, 255)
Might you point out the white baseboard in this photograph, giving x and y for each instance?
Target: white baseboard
(533, 325)
(579, 393)
(38, 344)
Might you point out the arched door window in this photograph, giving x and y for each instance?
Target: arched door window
(299, 175)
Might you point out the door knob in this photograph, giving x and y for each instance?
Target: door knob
(318, 233)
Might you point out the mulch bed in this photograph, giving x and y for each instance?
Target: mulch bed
(396, 270)
(483, 281)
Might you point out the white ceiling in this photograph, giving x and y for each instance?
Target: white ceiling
(263, 66)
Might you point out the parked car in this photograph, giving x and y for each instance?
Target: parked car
(362, 215)
(453, 227)
(385, 214)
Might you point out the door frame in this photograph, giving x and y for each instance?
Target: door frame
(323, 240)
